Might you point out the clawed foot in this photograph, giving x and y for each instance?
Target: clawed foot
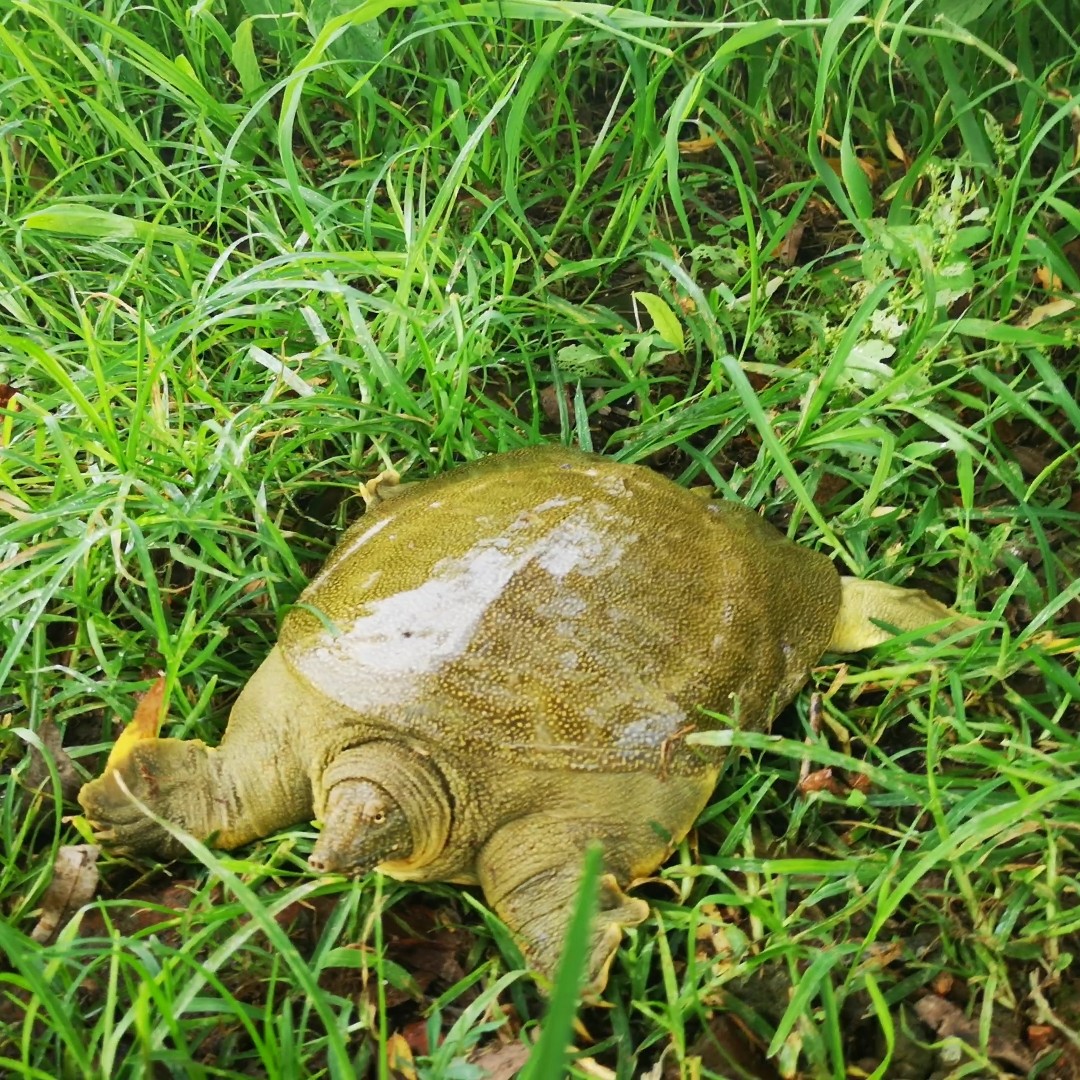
(530, 871)
(167, 776)
(616, 912)
(543, 938)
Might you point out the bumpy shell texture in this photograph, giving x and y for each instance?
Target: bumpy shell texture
(561, 610)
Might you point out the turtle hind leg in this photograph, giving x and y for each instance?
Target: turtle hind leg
(530, 871)
(215, 795)
(862, 602)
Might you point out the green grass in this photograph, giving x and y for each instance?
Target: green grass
(248, 258)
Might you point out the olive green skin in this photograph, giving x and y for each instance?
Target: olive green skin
(547, 626)
(496, 668)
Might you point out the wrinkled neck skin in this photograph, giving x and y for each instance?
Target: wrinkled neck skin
(380, 803)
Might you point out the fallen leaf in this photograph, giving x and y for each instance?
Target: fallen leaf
(697, 146)
(1047, 311)
(728, 1048)
(502, 1062)
(549, 402)
(1071, 250)
(37, 773)
(870, 170)
(144, 724)
(948, 1021)
(858, 782)
(74, 879)
(821, 780)
(415, 1034)
(787, 251)
(20, 510)
(1039, 1037)
(721, 945)
(33, 164)
(881, 954)
(893, 143)
(591, 1067)
(399, 1058)
(1045, 278)
(1032, 462)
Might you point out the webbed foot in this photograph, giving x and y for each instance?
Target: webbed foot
(530, 871)
(171, 777)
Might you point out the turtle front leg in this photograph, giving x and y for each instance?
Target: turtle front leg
(255, 783)
(530, 871)
(227, 796)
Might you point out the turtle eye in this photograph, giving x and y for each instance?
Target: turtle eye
(379, 817)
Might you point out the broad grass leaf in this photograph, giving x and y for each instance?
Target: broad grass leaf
(664, 319)
(91, 223)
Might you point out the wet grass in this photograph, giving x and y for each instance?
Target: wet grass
(821, 259)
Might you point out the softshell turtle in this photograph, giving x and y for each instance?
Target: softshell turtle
(496, 668)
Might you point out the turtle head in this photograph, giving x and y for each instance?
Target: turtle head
(380, 802)
(363, 825)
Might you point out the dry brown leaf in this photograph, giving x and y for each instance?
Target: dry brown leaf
(947, 1020)
(1039, 1037)
(881, 954)
(1031, 461)
(20, 510)
(415, 1033)
(893, 143)
(871, 171)
(74, 879)
(858, 782)
(33, 165)
(822, 780)
(502, 1062)
(1071, 251)
(1047, 311)
(37, 774)
(787, 251)
(1045, 278)
(697, 146)
(144, 724)
(591, 1067)
(727, 1047)
(549, 402)
(399, 1057)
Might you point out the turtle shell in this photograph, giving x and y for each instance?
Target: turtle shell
(561, 611)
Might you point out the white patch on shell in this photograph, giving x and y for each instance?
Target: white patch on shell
(579, 547)
(414, 633)
(369, 582)
(615, 486)
(565, 605)
(650, 730)
(557, 503)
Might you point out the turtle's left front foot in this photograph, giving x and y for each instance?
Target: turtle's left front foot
(168, 776)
